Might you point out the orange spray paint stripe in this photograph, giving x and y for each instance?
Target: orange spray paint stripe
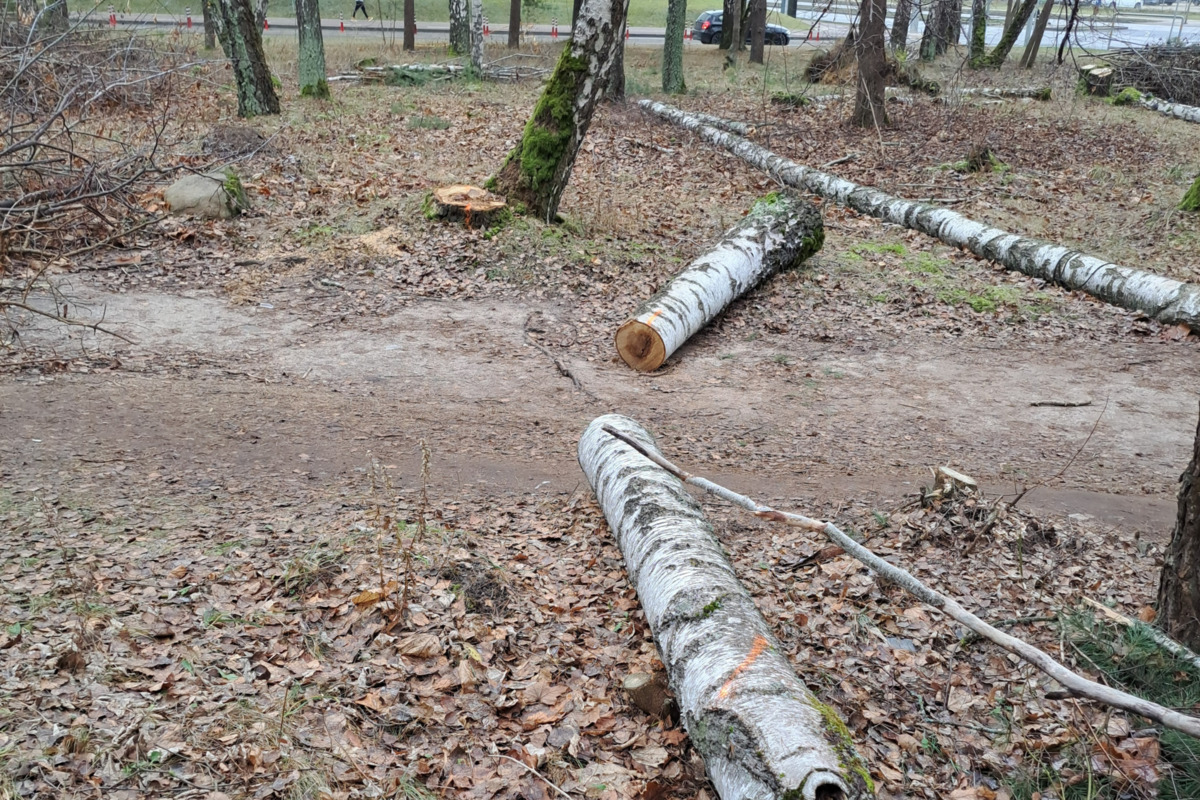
(654, 316)
(760, 645)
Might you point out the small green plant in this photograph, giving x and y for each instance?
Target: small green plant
(422, 122)
(780, 358)
(215, 618)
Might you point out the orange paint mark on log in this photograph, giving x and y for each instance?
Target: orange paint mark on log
(654, 316)
(756, 650)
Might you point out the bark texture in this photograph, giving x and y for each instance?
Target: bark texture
(942, 30)
(536, 172)
(1167, 300)
(672, 69)
(477, 37)
(616, 73)
(761, 733)
(241, 39)
(1176, 110)
(410, 25)
(1039, 30)
(514, 24)
(870, 111)
(313, 82)
(728, 8)
(733, 24)
(779, 233)
(1179, 587)
(210, 28)
(978, 42)
(758, 30)
(460, 28)
(1000, 52)
(900, 23)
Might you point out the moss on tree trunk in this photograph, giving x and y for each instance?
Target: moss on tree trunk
(978, 43)
(241, 39)
(999, 53)
(313, 81)
(1191, 200)
(672, 69)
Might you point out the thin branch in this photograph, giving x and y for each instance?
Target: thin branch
(533, 771)
(95, 326)
(1074, 683)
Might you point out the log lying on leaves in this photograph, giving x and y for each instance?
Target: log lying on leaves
(779, 232)
(1167, 300)
(1032, 93)
(761, 732)
(1176, 110)
(1071, 681)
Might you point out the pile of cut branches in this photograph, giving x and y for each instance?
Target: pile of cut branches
(1168, 71)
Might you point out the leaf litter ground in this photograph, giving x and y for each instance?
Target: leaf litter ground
(191, 519)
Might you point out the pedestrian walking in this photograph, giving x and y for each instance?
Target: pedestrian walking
(360, 5)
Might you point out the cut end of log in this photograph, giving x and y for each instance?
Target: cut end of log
(476, 207)
(640, 346)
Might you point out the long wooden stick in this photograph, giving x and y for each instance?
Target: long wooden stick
(1072, 682)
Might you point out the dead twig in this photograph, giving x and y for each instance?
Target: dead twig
(95, 326)
(1071, 681)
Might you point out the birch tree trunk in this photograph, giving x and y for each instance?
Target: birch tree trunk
(460, 28)
(313, 82)
(779, 233)
(477, 37)
(978, 43)
(999, 53)
(761, 733)
(514, 24)
(1176, 110)
(672, 69)
(536, 172)
(1039, 30)
(899, 37)
(870, 111)
(1167, 300)
(1179, 587)
(758, 30)
(241, 39)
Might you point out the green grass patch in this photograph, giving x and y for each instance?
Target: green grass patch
(429, 123)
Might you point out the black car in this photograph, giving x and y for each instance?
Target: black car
(707, 29)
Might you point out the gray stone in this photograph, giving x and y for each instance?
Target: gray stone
(215, 195)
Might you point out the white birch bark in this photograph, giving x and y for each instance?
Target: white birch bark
(778, 233)
(477, 36)
(1033, 92)
(761, 732)
(1176, 110)
(1166, 299)
(460, 27)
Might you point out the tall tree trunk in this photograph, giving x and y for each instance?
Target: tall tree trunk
(904, 9)
(1062, 46)
(313, 82)
(210, 27)
(477, 37)
(536, 172)
(1000, 52)
(1039, 30)
(869, 107)
(932, 45)
(460, 28)
(758, 30)
(514, 24)
(672, 69)
(616, 73)
(1179, 587)
(410, 25)
(575, 12)
(737, 34)
(241, 39)
(727, 11)
(978, 42)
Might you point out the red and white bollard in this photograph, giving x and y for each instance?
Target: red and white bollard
(687, 34)
(554, 27)
(266, 24)
(342, 23)
(112, 16)
(627, 33)
(189, 17)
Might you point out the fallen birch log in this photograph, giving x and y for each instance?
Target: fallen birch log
(1161, 639)
(1167, 300)
(761, 732)
(1031, 93)
(1176, 110)
(1071, 681)
(779, 233)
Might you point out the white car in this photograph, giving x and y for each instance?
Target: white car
(1136, 5)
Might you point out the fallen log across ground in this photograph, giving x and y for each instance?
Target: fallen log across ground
(762, 734)
(1165, 299)
(1176, 110)
(779, 233)
(1071, 681)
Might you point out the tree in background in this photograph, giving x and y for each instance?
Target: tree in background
(1000, 52)
(210, 27)
(943, 28)
(460, 28)
(977, 45)
(672, 69)
(904, 9)
(536, 172)
(1179, 586)
(313, 81)
(869, 108)
(241, 40)
(410, 25)
(48, 19)
(1039, 30)
(514, 24)
(758, 30)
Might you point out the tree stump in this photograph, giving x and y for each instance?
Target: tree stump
(1096, 80)
(474, 207)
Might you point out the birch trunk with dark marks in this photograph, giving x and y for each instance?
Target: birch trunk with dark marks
(762, 734)
(1039, 30)
(672, 68)
(536, 172)
(477, 37)
(1176, 110)
(460, 27)
(1166, 299)
(779, 233)
(1179, 587)
(311, 53)
(870, 111)
(241, 39)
